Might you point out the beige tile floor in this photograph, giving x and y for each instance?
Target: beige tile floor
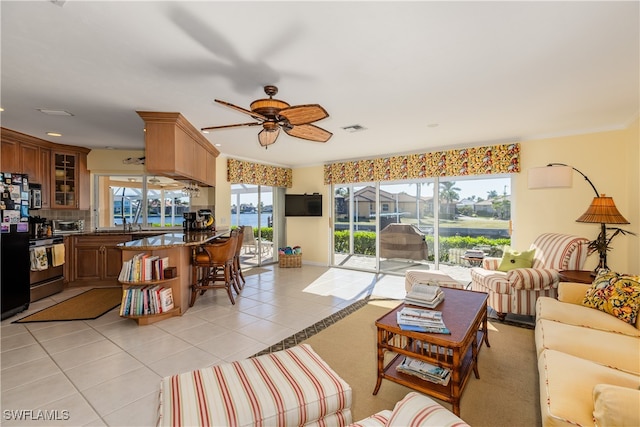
(107, 371)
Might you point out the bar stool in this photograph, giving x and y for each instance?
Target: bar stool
(212, 268)
(237, 269)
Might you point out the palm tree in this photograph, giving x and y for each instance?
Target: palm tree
(448, 194)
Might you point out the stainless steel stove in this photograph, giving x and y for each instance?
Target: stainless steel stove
(46, 275)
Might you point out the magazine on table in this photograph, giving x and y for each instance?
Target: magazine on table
(425, 370)
(420, 320)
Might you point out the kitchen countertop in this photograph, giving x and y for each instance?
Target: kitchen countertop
(171, 240)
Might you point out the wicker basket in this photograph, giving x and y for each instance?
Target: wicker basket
(290, 261)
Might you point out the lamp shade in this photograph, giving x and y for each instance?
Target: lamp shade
(603, 211)
(550, 177)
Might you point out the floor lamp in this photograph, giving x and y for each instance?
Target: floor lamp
(602, 210)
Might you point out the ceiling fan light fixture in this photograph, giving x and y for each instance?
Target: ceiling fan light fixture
(266, 137)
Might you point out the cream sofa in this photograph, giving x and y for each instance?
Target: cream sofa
(588, 363)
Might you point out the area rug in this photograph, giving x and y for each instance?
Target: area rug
(506, 394)
(86, 306)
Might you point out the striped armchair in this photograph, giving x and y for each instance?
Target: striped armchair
(516, 291)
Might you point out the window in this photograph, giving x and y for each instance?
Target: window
(141, 200)
(452, 215)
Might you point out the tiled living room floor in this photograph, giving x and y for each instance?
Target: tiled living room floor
(107, 371)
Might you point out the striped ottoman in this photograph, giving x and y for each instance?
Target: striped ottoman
(433, 277)
(292, 387)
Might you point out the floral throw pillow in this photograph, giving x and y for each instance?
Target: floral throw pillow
(616, 294)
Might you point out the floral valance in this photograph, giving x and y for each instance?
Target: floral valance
(492, 159)
(241, 172)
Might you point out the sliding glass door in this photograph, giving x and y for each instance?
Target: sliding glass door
(256, 207)
(435, 223)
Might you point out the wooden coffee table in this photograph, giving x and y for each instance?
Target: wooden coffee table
(465, 315)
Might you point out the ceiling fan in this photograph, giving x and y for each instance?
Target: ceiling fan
(273, 115)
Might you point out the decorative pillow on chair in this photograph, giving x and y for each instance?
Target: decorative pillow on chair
(616, 294)
(512, 259)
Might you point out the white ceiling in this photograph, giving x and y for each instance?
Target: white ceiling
(419, 76)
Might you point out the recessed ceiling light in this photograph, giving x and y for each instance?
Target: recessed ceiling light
(54, 134)
(218, 145)
(354, 128)
(1, 109)
(54, 112)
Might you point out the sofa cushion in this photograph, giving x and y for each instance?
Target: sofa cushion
(419, 410)
(379, 419)
(615, 294)
(616, 406)
(572, 314)
(605, 348)
(512, 259)
(566, 387)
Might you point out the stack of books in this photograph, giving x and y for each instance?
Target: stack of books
(143, 268)
(424, 295)
(142, 301)
(424, 370)
(421, 320)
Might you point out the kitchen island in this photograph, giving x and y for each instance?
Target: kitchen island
(178, 248)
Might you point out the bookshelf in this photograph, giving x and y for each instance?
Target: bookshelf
(177, 257)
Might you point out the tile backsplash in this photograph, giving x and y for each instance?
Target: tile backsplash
(65, 215)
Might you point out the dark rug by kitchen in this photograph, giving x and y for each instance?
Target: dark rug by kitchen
(86, 306)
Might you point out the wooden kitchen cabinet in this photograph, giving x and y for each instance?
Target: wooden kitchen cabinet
(67, 268)
(97, 259)
(45, 173)
(9, 155)
(174, 148)
(21, 153)
(70, 180)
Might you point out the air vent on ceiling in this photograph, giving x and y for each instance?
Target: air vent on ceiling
(354, 128)
(54, 112)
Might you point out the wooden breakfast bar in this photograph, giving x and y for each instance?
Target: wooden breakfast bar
(178, 248)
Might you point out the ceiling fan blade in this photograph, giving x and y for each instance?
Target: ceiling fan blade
(310, 132)
(256, 116)
(268, 137)
(231, 126)
(303, 114)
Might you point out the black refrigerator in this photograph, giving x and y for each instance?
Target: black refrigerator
(14, 243)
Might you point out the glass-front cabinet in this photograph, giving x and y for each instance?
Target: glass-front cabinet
(65, 180)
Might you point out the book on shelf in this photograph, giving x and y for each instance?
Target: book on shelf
(425, 370)
(146, 300)
(166, 299)
(143, 267)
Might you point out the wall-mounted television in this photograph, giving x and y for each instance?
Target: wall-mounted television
(303, 205)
